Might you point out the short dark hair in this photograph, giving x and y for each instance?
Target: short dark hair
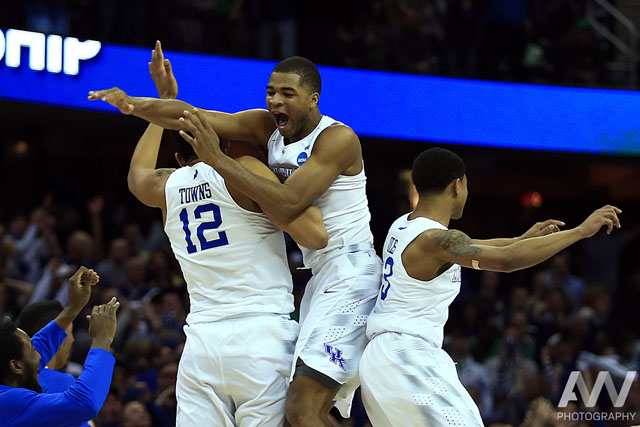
(307, 70)
(182, 147)
(434, 169)
(11, 347)
(36, 316)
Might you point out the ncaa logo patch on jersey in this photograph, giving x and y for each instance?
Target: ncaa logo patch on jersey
(302, 157)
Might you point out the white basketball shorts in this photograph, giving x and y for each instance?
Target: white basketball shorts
(406, 381)
(333, 317)
(235, 372)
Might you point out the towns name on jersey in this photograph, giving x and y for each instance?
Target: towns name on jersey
(195, 194)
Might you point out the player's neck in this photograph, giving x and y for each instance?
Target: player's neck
(434, 209)
(309, 126)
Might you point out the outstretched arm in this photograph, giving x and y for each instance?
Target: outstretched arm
(254, 126)
(456, 247)
(336, 149)
(538, 229)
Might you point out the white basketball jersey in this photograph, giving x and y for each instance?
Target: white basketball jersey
(233, 260)
(344, 205)
(407, 305)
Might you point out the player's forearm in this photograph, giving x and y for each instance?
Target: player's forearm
(529, 252)
(162, 112)
(279, 199)
(145, 155)
(307, 228)
(498, 243)
(67, 315)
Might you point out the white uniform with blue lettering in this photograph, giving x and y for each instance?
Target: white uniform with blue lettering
(236, 364)
(346, 273)
(407, 379)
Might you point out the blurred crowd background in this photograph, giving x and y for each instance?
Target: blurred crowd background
(518, 40)
(516, 337)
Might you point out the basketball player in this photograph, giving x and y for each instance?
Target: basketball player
(319, 161)
(407, 379)
(237, 360)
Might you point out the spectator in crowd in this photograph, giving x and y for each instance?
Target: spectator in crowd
(21, 398)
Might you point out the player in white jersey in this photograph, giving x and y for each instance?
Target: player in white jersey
(407, 379)
(321, 161)
(236, 364)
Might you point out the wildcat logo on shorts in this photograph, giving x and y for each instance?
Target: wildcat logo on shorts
(302, 157)
(335, 355)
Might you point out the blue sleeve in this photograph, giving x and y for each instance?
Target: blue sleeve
(79, 404)
(47, 341)
(55, 381)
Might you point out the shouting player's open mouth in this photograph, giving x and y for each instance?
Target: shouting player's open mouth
(281, 119)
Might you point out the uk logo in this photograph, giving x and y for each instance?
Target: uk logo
(302, 157)
(335, 355)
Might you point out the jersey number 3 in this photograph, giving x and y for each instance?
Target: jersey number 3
(209, 225)
(385, 277)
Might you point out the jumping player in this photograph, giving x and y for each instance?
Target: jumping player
(407, 379)
(237, 360)
(319, 161)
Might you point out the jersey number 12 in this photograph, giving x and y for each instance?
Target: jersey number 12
(209, 225)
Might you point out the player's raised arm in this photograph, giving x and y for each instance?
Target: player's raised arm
(253, 126)
(456, 247)
(307, 227)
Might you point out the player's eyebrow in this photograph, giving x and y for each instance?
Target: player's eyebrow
(270, 87)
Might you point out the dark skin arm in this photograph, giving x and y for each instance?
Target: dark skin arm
(434, 251)
(306, 228)
(254, 126)
(336, 152)
(538, 229)
(79, 290)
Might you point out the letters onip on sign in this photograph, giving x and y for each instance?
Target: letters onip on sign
(56, 53)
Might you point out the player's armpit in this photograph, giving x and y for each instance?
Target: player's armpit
(147, 185)
(307, 227)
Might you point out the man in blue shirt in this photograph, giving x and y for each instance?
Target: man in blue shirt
(34, 318)
(22, 402)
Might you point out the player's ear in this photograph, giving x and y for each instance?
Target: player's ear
(457, 186)
(181, 162)
(16, 367)
(313, 101)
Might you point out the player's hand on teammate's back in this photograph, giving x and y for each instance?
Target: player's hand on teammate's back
(162, 74)
(79, 288)
(606, 215)
(203, 138)
(114, 96)
(543, 228)
(102, 323)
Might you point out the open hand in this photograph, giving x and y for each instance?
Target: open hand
(205, 140)
(162, 74)
(102, 321)
(543, 228)
(114, 96)
(606, 215)
(79, 287)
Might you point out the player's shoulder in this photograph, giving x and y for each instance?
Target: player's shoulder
(340, 130)
(437, 239)
(338, 136)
